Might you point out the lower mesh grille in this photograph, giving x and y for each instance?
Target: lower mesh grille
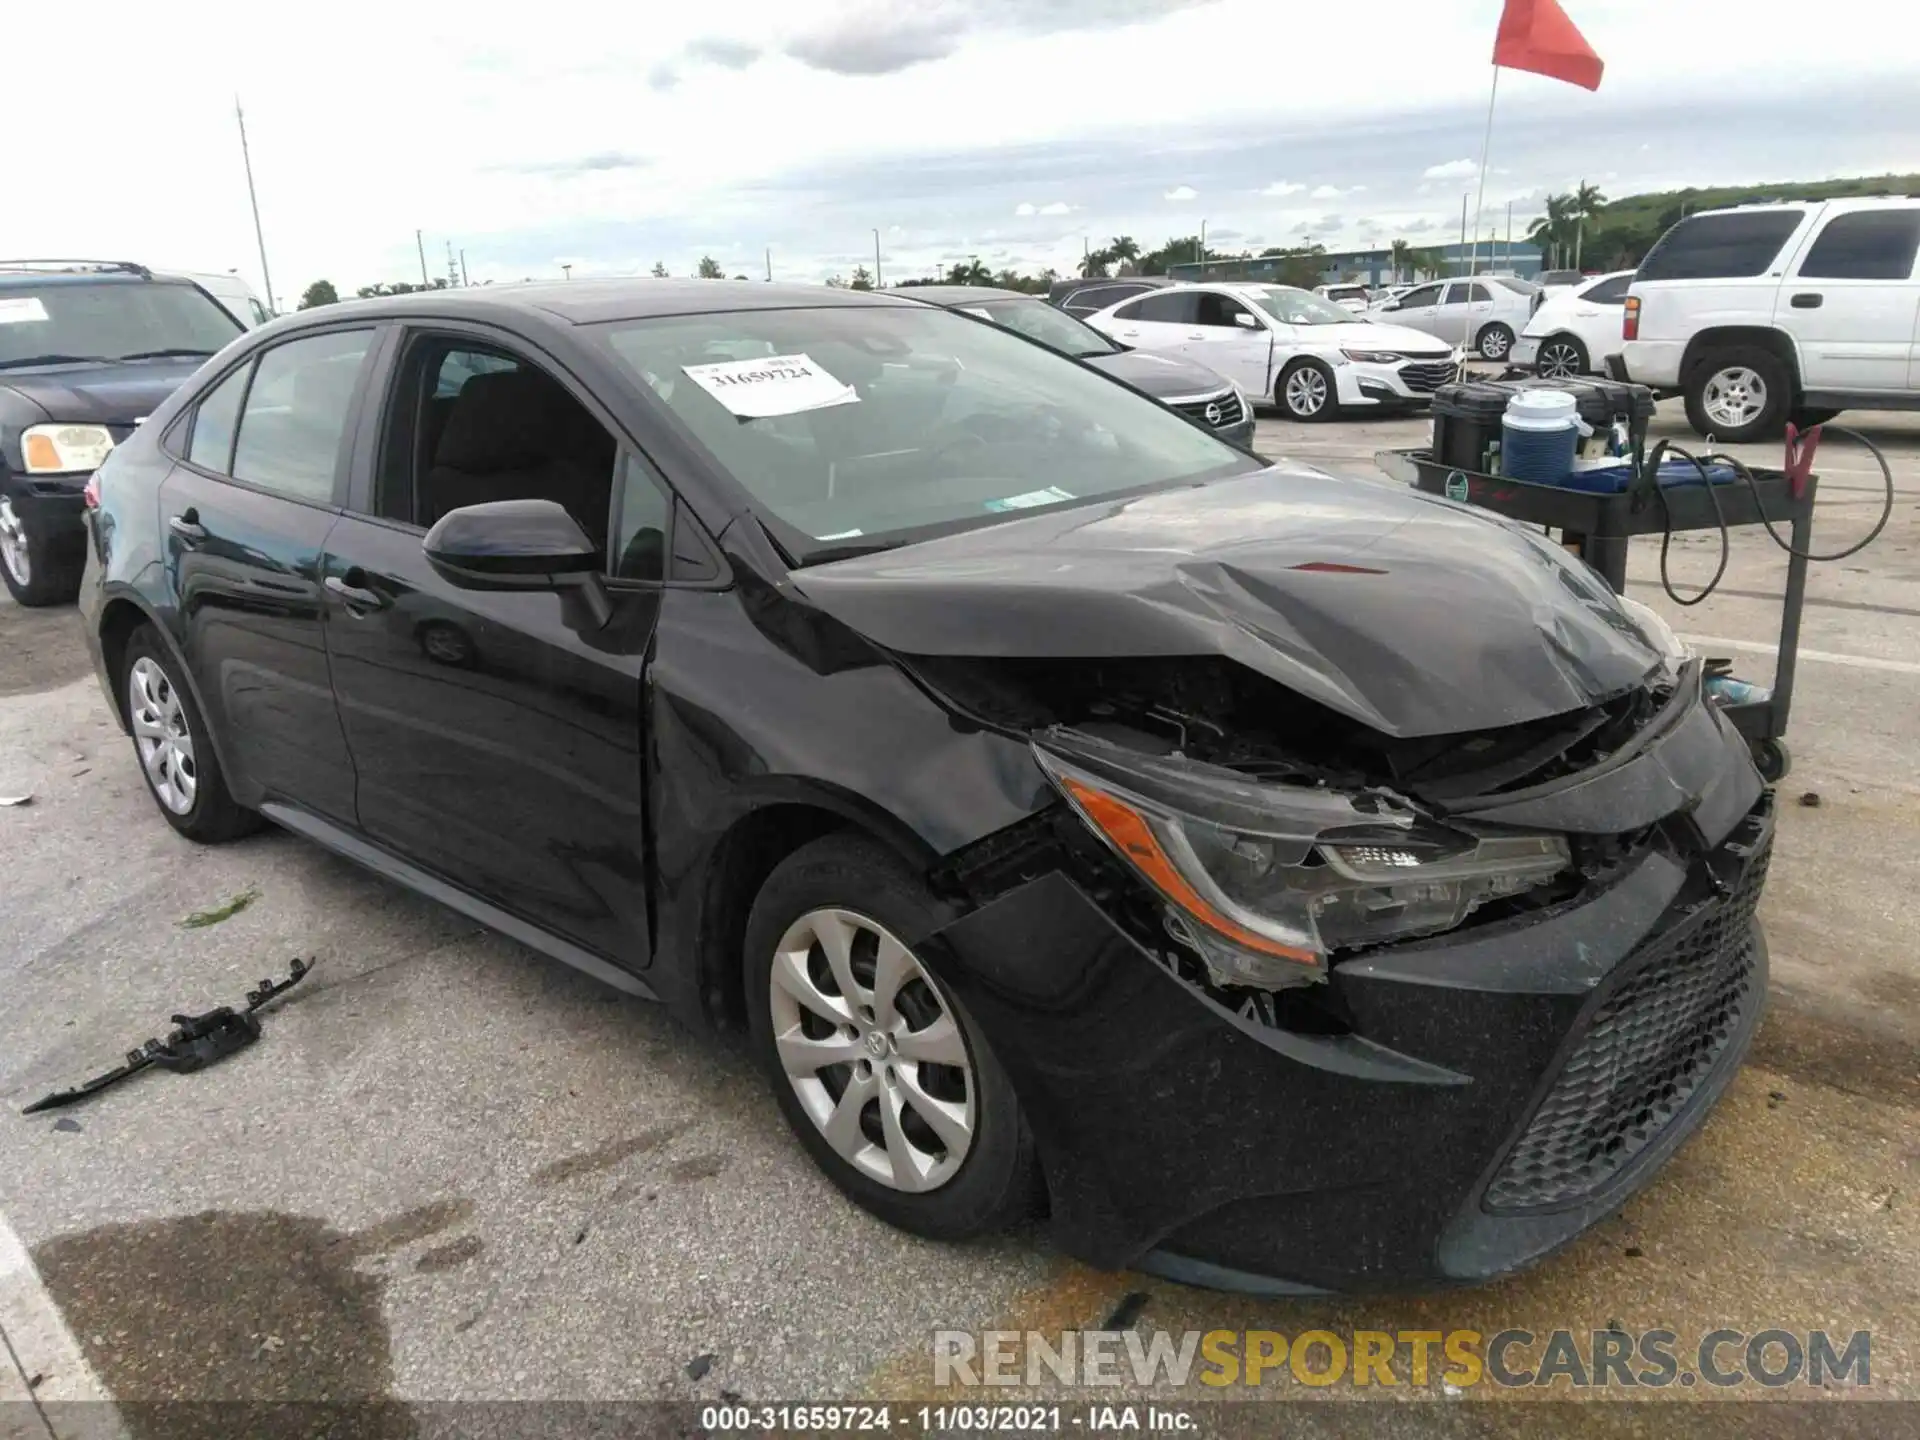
(1639, 1059)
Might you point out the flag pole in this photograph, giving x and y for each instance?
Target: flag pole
(1479, 206)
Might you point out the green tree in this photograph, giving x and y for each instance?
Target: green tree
(1401, 258)
(1123, 250)
(971, 273)
(1093, 265)
(1553, 232)
(400, 287)
(862, 279)
(710, 269)
(320, 292)
(659, 270)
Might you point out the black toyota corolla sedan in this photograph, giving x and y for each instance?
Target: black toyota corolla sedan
(1202, 395)
(1290, 882)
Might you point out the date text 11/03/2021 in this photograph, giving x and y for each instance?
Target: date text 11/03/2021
(947, 1419)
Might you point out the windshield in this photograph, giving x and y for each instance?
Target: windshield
(1298, 307)
(108, 320)
(1053, 328)
(856, 426)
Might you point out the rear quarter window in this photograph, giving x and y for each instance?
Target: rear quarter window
(1720, 247)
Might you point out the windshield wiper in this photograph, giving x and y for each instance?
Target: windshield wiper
(53, 360)
(167, 354)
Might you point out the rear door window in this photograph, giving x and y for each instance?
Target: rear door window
(1609, 292)
(1735, 245)
(296, 414)
(1865, 245)
(1181, 308)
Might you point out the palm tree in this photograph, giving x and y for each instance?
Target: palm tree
(1554, 229)
(1587, 205)
(1401, 258)
(1123, 250)
(1094, 264)
(971, 273)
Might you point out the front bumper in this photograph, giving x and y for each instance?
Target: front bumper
(1439, 1113)
(1408, 382)
(52, 507)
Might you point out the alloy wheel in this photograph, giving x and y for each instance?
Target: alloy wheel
(1734, 397)
(161, 735)
(1495, 343)
(13, 545)
(872, 1051)
(1559, 359)
(1306, 392)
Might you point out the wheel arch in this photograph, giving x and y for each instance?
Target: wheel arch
(1701, 348)
(711, 919)
(121, 614)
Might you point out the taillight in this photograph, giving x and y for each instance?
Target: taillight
(1630, 319)
(92, 492)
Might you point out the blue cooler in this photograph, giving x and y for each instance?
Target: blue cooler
(1540, 433)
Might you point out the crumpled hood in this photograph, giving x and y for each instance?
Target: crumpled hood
(1411, 614)
(117, 394)
(1164, 377)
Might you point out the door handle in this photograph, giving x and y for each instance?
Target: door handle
(1806, 300)
(356, 598)
(187, 526)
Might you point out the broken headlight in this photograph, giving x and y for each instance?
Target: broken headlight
(1266, 881)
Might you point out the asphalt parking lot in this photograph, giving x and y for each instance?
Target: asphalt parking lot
(454, 1170)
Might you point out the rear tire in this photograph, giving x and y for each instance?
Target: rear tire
(1561, 357)
(1737, 395)
(171, 743)
(37, 573)
(1495, 342)
(845, 1018)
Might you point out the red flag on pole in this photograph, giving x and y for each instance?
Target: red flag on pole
(1536, 35)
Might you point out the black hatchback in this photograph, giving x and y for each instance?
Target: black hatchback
(1290, 882)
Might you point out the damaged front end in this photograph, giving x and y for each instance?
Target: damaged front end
(1522, 960)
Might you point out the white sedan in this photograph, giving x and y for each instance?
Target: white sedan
(1312, 358)
(1573, 332)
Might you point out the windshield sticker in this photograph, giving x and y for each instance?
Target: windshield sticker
(1048, 496)
(22, 310)
(777, 385)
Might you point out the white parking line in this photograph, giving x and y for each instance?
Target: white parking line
(1712, 643)
(44, 1347)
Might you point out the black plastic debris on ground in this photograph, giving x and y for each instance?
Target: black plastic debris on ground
(195, 1042)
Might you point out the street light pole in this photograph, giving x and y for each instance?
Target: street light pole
(878, 283)
(259, 237)
(1202, 256)
(464, 282)
(421, 246)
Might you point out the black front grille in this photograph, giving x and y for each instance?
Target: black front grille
(1226, 407)
(1423, 377)
(1641, 1056)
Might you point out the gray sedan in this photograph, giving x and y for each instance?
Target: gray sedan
(1202, 395)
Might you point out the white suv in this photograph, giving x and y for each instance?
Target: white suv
(1766, 312)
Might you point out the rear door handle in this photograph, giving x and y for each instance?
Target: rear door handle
(1806, 300)
(355, 597)
(188, 527)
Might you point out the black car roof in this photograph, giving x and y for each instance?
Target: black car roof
(591, 302)
(964, 294)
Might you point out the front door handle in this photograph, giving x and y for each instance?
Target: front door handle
(355, 597)
(1806, 300)
(1196, 334)
(188, 527)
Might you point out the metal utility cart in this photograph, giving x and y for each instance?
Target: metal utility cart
(1598, 526)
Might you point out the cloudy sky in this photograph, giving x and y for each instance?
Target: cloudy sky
(1007, 129)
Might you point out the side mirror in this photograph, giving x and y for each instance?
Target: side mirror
(517, 545)
(1245, 321)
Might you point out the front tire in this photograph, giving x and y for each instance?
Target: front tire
(171, 743)
(880, 1072)
(1305, 392)
(36, 573)
(1561, 357)
(1738, 395)
(1495, 342)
